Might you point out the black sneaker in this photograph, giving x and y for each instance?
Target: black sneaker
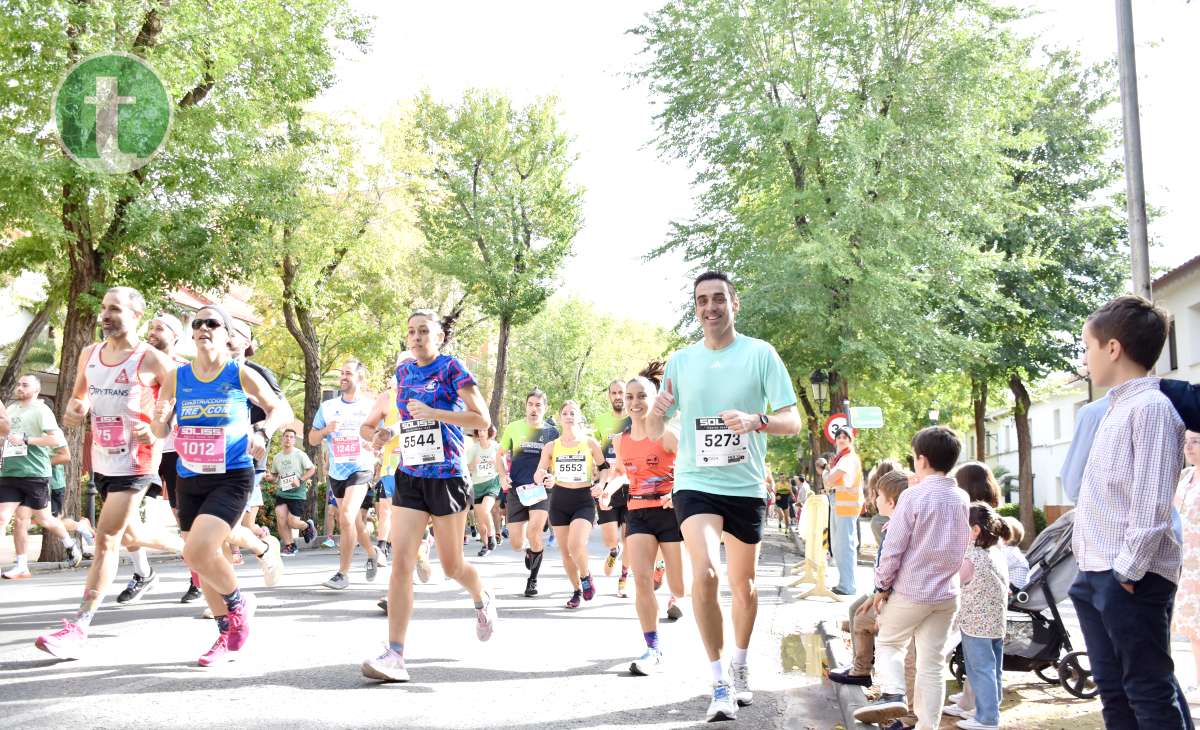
(860, 680)
(382, 604)
(137, 587)
(887, 707)
(531, 588)
(483, 551)
(491, 543)
(310, 532)
(289, 550)
(474, 532)
(192, 594)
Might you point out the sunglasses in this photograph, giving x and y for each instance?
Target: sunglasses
(212, 324)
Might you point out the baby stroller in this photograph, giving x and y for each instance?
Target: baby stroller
(1036, 636)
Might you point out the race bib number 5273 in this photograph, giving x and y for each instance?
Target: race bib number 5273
(717, 445)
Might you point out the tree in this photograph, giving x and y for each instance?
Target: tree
(233, 70)
(495, 206)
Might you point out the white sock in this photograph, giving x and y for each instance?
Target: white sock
(739, 655)
(22, 562)
(141, 562)
(718, 673)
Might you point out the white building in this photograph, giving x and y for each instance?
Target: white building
(1178, 291)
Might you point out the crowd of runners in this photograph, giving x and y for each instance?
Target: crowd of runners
(676, 465)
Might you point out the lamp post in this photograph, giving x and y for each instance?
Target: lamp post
(934, 413)
(819, 381)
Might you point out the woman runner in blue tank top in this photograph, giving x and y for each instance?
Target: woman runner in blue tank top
(437, 398)
(208, 399)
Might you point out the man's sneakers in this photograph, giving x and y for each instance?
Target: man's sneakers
(972, 724)
(271, 562)
(887, 707)
(288, 551)
(17, 572)
(610, 562)
(387, 667)
(740, 674)
(338, 582)
(485, 618)
(483, 552)
(647, 664)
(66, 643)
(192, 593)
(531, 588)
(372, 570)
(309, 533)
(722, 706)
(844, 676)
(137, 587)
(955, 710)
(674, 612)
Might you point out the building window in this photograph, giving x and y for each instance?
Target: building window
(1057, 424)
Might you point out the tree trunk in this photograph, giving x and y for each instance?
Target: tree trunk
(298, 318)
(839, 392)
(501, 370)
(17, 360)
(1024, 455)
(812, 421)
(979, 395)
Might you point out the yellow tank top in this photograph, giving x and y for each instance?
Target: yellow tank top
(391, 450)
(571, 466)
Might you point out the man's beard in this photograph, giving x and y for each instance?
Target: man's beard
(114, 329)
(157, 343)
(618, 407)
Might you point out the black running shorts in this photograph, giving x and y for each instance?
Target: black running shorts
(568, 505)
(31, 492)
(295, 507)
(518, 512)
(221, 495)
(655, 521)
(438, 497)
(167, 472)
(744, 517)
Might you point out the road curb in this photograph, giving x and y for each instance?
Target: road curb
(850, 697)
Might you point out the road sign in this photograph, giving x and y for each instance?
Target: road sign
(836, 423)
(866, 416)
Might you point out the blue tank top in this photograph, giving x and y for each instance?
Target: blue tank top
(213, 418)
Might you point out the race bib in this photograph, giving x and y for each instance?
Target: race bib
(570, 468)
(289, 482)
(346, 447)
(421, 442)
(531, 494)
(11, 449)
(201, 449)
(486, 468)
(717, 445)
(108, 432)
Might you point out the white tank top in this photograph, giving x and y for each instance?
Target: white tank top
(117, 398)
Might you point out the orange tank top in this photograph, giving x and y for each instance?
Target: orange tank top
(650, 469)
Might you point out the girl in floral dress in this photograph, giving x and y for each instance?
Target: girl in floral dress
(1187, 599)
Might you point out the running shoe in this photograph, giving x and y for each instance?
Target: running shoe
(474, 532)
(372, 570)
(610, 562)
(424, 569)
(622, 582)
(550, 541)
(483, 552)
(219, 653)
(66, 643)
(504, 532)
(491, 543)
(660, 569)
(382, 604)
(741, 683)
(16, 573)
(647, 664)
(310, 532)
(206, 613)
(271, 562)
(589, 589)
(137, 587)
(190, 595)
(387, 667)
(485, 618)
(381, 558)
(329, 543)
(289, 550)
(573, 601)
(531, 588)
(722, 706)
(674, 612)
(74, 555)
(338, 582)
(239, 622)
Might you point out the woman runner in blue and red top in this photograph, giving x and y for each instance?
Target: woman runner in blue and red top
(437, 399)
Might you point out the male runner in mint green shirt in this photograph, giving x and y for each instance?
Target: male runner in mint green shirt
(730, 390)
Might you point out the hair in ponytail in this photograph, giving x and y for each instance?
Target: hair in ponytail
(652, 374)
(991, 527)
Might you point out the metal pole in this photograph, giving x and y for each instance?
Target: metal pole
(1135, 186)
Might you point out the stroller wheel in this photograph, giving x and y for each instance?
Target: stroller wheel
(1048, 673)
(1075, 675)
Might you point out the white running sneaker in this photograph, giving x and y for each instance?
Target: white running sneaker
(740, 673)
(424, 570)
(722, 706)
(271, 562)
(485, 618)
(387, 667)
(954, 710)
(17, 572)
(647, 664)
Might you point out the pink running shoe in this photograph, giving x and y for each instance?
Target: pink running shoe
(66, 643)
(219, 653)
(239, 623)
(485, 618)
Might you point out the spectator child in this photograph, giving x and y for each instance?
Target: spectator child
(976, 479)
(1018, 566)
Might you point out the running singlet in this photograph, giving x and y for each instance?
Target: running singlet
(348, 453)
(571, 464)
(168, 444)
(481, 462)
(650, 469)
(118, 399)
(748, 376)
(213, 422)
(524, 443)
(432, 449)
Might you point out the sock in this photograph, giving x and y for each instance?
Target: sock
(141, 562)
(396, 647)
(651, 639)
(22, 562)
(718, 673)
(613, 552)
(233, 601)
(739, 655)
(624, 572)
(586, 581)
(68, 542)
(223, 624)
(535, 563)
(87, 608)
(195, 578)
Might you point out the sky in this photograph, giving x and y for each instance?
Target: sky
(581, 53)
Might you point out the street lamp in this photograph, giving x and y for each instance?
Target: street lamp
(933, 415)
(820, 388)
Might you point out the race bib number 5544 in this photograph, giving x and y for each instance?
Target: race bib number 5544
(717, 445)
(421, 442)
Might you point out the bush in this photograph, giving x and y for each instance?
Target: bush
(1039, 517)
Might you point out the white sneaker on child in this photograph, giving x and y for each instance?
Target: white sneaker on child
(954, 710)
(973, 724)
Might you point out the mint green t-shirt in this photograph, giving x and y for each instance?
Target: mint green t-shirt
(747, 376)
(34, 421)
(58, 478)
(286, 467)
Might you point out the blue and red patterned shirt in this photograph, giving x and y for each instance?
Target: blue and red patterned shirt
(437, 385)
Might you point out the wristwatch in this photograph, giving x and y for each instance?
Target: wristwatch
(884, 591)
(763, 420)
(261, 430)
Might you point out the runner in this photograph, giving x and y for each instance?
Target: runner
(116, 380)
(437, 398)
(25, 474)
(528, 506)
(337, 424)
(290, 471)
(722, 387)
(609, 425)
(217, 446)
(484, 466)
(567, 468)
(649, 465)
(389, 461)
(783, 503)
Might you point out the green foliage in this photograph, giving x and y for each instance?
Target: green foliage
(1013, 510)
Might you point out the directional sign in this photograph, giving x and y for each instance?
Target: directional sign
(866, 416)
(836, 423)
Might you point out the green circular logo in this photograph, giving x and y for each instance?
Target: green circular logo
(111, 113)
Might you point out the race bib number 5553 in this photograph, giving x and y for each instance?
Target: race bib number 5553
(717, 445)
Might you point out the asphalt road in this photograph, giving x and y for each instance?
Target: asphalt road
(545, 667)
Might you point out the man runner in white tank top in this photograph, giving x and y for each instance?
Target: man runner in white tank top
(117, 381)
